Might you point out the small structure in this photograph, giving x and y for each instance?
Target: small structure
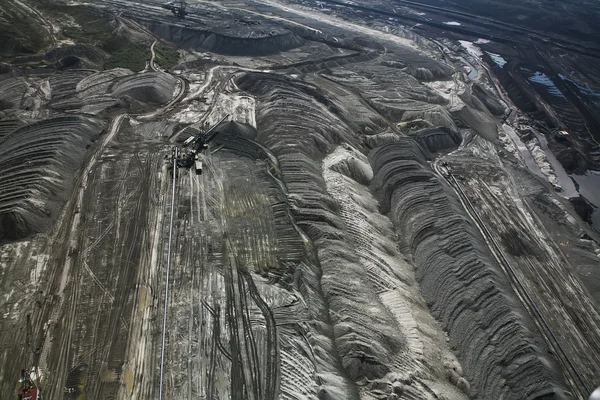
(197, 165)
(189, 140)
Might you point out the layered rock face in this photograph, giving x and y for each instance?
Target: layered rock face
(37, 162)
(436, 140)
(395, 93)
(150, 88)
(93, 93)
(385, 338)
(12, 92)
(328, 187)
(464, 288)
(194, 38)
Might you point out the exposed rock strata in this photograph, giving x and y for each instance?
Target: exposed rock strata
(64, 84)
(92, 94)
(37, 165)
(150, 88)
(198, 39)
(12, 92)
(395, 94)
(463, 286)
(379, 347)
(8, 125)
(437, 139)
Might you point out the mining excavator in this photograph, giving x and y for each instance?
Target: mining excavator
(177, 8)
(196, 144)
(27, 388)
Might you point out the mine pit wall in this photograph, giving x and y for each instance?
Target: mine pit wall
(309, 368)
(501, 352)
(574, 155)
(37, 163)
(499, 348)
(191, 38)
(383, 344)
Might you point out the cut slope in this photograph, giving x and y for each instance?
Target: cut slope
(37, 166)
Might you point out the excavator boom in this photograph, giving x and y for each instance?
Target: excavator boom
(178, 8)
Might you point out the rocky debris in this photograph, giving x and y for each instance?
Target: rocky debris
(385, 137)
(480, 121)
(235, 128)
(475, 115)
(37, 166)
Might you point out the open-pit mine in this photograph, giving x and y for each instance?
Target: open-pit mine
(299, 199)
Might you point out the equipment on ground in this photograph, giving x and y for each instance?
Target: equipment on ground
(177, 8)
(28, 390)
(198, 143)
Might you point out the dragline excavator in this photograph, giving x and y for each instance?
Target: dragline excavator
(196, 144)
(177, 8)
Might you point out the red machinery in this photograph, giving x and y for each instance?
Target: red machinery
(28, 390)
